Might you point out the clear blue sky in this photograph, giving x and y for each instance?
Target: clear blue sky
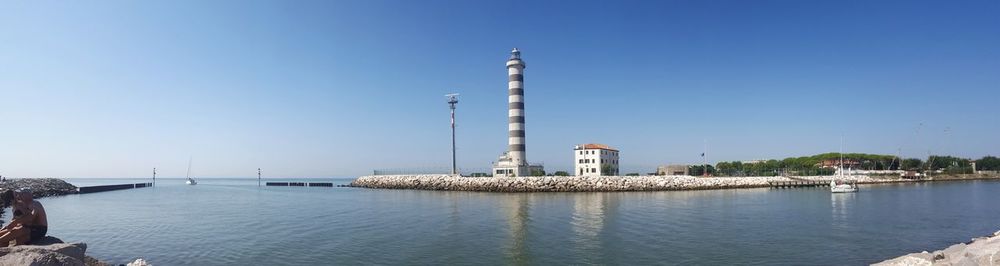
(337, 88)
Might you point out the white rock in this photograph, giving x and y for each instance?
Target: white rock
(139, 262)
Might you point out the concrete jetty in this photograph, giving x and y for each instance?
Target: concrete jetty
(298, 184)
(103, 188)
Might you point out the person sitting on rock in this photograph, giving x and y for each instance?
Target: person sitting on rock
(32, 223)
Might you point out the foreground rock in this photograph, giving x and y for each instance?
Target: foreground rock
(981, 251)
(42, 255)
(560, 183)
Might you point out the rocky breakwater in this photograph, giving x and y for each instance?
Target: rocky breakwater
(981, 251)
(559, 183)
(40, 187)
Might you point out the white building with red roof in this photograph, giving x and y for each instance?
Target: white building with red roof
(595, 160)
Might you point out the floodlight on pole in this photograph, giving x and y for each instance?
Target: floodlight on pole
(452, 100)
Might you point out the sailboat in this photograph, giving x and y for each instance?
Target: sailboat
(190, 181)
(842, 186)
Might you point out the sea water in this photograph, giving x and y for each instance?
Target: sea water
(235, 222)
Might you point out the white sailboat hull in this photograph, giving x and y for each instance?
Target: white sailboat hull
(842, 188)
(847, 189)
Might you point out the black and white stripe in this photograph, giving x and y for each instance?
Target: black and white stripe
(515, 108)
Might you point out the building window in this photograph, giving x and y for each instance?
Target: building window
(593, 170)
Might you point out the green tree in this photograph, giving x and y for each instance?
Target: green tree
(698, 170)
(912, 164)
(988, 163)
(632, 174)
(537, 172)
(944, 162)
(561, 173)
(608, 170)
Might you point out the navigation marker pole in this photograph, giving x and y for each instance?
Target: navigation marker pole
(154, 176)
(258, 177)
(452, 100)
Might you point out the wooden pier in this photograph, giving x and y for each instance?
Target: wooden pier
(93, 189)
(799, 183)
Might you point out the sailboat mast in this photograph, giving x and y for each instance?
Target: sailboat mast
(840, 170)
(189, 168)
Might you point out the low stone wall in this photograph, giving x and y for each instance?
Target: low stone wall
(560, 183)
(981, 251)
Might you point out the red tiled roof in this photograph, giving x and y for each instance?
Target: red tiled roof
(598, 146)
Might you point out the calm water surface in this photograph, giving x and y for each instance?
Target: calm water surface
(234, 222)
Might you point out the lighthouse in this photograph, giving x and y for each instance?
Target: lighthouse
(514, 161)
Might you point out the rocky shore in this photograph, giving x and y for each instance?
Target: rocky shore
(981, 251)
(560, 183)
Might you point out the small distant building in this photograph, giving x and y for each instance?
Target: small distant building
(595, 160)
(672, 169)
(834, 163)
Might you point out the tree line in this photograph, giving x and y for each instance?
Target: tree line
(812, 165)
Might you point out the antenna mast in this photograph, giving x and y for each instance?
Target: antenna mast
(189, 168)
(452, 100)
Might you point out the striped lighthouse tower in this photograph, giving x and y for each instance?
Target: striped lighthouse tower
(515, 110)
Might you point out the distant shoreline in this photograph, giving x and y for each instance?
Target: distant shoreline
(611, 183)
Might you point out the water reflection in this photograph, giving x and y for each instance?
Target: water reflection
(591, 213)
(840, 207)
(517, 220)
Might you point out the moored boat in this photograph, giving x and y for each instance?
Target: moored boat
(842, 187)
